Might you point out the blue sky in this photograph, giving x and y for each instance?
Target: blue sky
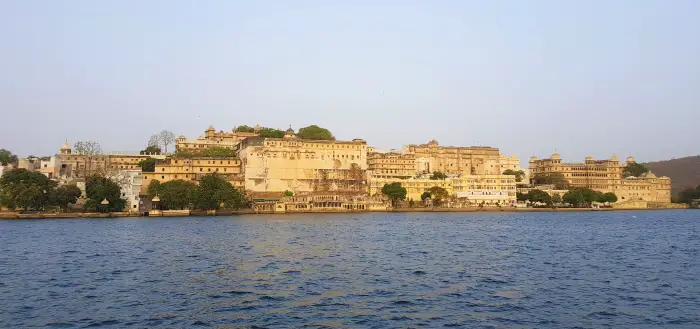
(530, 77)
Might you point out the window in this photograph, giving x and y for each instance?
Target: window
(162, 169)
(200, 169)
(145, 177)
(162, 177)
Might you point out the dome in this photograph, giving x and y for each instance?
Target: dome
(290, 130)
(648, 174)
(533, 158)
(513, 157)
(65, 146)
(433, 142)
(589, 158)
(614, 158)
(556, 156)
(630, 159)
(211, 128)
(181, 137)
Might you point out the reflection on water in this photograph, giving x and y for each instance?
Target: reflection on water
(548, 270)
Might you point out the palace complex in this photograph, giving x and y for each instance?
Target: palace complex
(350, 175)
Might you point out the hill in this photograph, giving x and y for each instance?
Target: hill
(684, 172)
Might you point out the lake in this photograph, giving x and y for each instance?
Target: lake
(375, 270)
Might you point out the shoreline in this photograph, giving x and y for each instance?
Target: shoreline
(70, 215)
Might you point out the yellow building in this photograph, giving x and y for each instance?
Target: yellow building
(490, 189)
(212, 138)
(391, 164)
(298, 165)
(472, 160)
(193, 169)
(74, 165)
(604, 176)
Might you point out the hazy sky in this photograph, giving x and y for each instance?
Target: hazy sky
(582, 77)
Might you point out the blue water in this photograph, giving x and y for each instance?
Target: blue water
(474, 270)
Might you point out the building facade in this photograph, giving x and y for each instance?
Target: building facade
(391, 165)
(212, 138)
(604, 176)
(68, 164)
(193, 169)
(298, 165)
(472, 160)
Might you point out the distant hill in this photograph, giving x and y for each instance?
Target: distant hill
(684, 172)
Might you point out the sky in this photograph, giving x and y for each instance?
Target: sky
(582, 78)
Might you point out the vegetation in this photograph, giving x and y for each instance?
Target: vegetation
(609, 197)
(288, 193)
(556, 199)
(438, 175)
(519, 174)
(521, 196)
(148, 165)
(151, 149)
(153, 188)
(437, 194)
(556, 179)
(20, 188)
(689, 194)
(209, 152)
(65, 195)
(214, 192)
(425, 195)
(6, 157)
(584, 197)
(394, 192)
(176, 194)
(99, 188)
(162, 140)
(271, 133)
(540, 196)
(315, 132)
(90, 149)
(634, 169)
(245, 129)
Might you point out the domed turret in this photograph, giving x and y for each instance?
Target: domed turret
(556, 156)
(289, 133)
(590, 158)
(614, 158)
(65, 149)
(630, 160)
(533, 158)
(211, 128)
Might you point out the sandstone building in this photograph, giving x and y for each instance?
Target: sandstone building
(193, 169)
(212, 138)
(472, 160)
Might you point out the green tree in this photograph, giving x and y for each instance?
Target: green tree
(176, 194)
(153, 188)
(438, 194)
(215, 192)
(610, 197)
(245, 129)
(556, 179)
(634, 169)
(25, 189)
(689, 194)
(394, 192)
(521, 196)
(271, 132)
(536, 195)
(315, 132)
(425, 195)
(519, 174)
(6, 157)
(438, 175)
(98, 188)
(288, 193)
(217, 152)
(148, 165)
(151, 149)
(575, 198)
(65, 195)
(556, 199)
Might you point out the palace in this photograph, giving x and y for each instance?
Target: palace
(473, 160)
(297, 165)
(391, 164)
(604, 176)
(212, 138)
(68, 164)
(193, 169)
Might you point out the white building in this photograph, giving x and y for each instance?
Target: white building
(130, 182)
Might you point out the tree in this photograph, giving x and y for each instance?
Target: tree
(519, 174)
(151, 149)
(610, 197)
(634, 169)
(98, 188)
(245, 129)
(148, 165)
(425, 195)
(90, 150)
(438, 175)
(153, 188)
(536, 195)
(315, 132)
(575, 198)
(394, 192)
(288, 193)
(271, 133)
(214, 192)
(521, 196)
(20, 188)
(166, 138)
(217, 152)
(556, 179)
(6, 157)
(437, 194)
(176, 194)
(65, 195)
(556, 199)
(689, 194)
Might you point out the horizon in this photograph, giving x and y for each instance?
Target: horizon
(581, 79)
